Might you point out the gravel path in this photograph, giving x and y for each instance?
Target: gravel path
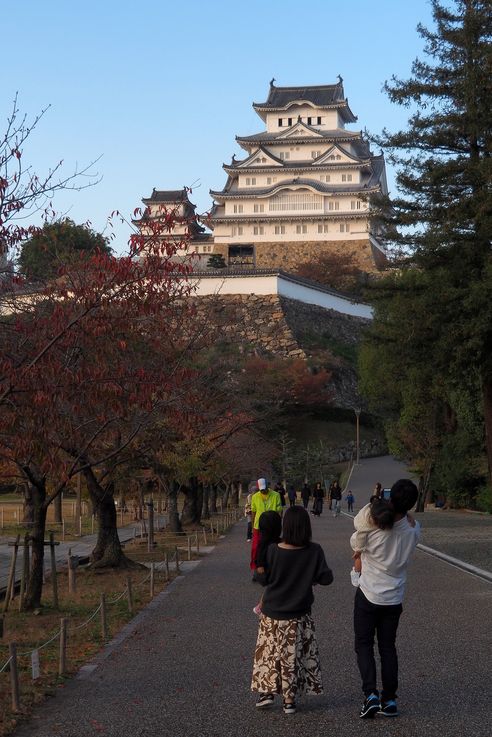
(185, 671)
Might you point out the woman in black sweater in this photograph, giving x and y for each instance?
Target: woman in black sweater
(286, 658)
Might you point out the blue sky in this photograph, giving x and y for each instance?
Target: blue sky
(160, 89)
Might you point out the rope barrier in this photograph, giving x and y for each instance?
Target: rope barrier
(84, 624)
(5, 665)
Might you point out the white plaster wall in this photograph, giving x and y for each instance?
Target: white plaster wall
(329, 118)
(273, 284)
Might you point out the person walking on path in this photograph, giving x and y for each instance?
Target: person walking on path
(264, 500)
(247, 514)
(318, 496)
(292, 496)
(378, 600)
(305, 494)
(286, 659)
(335, 498)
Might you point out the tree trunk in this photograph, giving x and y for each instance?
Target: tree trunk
(34, 588)
(28, 520)
(58, 505)
(189, 513)
(225, 496)
(174, 523)
(235, 493)
(205, 503)
(199, 502)
(108, 552)
(213, 499)
(487, 413)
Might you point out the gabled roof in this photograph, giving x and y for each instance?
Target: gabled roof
(247, 162)
(296, 182)
(280, 97)
(300, 129)
(320, 96)
(269, 138)
(167, 195)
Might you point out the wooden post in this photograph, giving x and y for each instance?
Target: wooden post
(197, 543)
(14, 677)
(104, 625)
(54, 582)
(166, 560)
(177, 558)
(80, 526)
(62, 661)
(152, 580)
(129, 594)
(204, 536)
(63, 529)
(10, 584)
(72, 581)
(150, 538)
(2, 519)
(25, 571)
(92, 525)
(189, 548)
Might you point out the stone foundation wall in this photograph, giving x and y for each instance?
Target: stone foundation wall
(255, 322)
(289, 255)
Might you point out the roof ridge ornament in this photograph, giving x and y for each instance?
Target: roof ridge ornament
(272, 81)
(340, 79)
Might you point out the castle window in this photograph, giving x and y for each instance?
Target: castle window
(333, 205)
(301, 228)
(238, 208)
(319, 121)
(346, 177)
(344, 227)
(279, 229)
(323, 228)
(289, 120)
(309, 121)
(258, 208)
(284, 155)
(355, 204)
(315, 154)
(269, 180)
(280, 122)
(325, 178)
(295, 201)
(258, 230)
(248, 181)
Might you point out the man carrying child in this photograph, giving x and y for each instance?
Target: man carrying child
(385, 550)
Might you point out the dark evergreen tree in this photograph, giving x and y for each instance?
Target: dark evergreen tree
(216, 261)
(442, 219)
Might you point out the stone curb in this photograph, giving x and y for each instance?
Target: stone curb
(457, 563)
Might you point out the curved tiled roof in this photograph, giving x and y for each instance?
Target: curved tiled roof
(167, 195)
(326, 94)
(335, 135)
(321, 187)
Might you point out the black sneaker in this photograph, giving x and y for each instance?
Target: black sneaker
(389, 708)
(289, 708)
(266, 699)
(370, 707)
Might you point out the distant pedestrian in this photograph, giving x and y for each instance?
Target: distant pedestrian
(292, 496)
(286, 659)
(247, 514)
(336, 498)
(279, 488)
(318, 496)
(265, 500)
(378, 490)
(350, 498)
(305, 494)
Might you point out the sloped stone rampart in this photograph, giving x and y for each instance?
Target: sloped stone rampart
(250, 320)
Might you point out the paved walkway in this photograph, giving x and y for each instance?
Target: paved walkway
(185, 671)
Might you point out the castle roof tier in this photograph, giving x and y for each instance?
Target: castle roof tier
(163, 202)
(321, 97)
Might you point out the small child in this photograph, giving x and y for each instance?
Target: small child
(350, 501)
(270, 526)
(376, 515)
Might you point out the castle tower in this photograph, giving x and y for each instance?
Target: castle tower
(304, 186)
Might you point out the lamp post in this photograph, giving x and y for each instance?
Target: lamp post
(357, 434)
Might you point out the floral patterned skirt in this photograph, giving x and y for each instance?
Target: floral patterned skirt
(286, 658)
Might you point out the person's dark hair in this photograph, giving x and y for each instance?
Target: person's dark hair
(382, 514)
(296, 529)
(270, 526)
(403, 495)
